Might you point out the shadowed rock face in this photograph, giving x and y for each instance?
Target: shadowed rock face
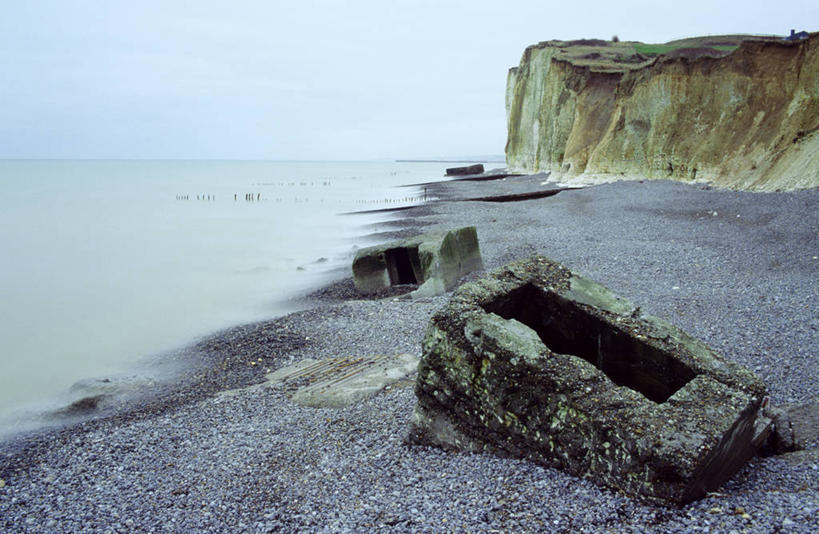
(433, 261)
(534, 361)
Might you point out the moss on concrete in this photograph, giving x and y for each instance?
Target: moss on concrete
(506, 368)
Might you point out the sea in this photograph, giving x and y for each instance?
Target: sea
(108, 263)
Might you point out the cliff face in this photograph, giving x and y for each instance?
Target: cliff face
(748, 119)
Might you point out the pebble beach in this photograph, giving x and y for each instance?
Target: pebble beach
(221, 450)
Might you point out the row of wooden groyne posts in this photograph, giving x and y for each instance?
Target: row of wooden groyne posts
(257, 197)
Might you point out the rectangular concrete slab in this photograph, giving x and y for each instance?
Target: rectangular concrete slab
(340, 382)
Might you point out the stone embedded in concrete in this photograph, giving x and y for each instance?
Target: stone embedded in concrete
(433, 261)
(536, 362)
(463, 171)
(339, 382)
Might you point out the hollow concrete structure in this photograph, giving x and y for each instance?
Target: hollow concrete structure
(434, 261)
(537, 362)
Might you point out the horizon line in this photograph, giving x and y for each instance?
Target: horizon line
(282, 160)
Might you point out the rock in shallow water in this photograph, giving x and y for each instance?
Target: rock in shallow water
(534, 361)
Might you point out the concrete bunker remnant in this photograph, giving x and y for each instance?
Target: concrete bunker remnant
(536, 362)
(464, 171)
(565, 327)
(433, 261)
(400, 263)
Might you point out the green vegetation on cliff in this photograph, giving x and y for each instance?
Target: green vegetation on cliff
(660, 49)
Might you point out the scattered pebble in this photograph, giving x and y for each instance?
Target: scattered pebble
(192, 460)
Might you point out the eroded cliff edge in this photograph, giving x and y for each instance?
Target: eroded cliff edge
(747, 118)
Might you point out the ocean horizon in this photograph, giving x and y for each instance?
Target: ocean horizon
(111, 262)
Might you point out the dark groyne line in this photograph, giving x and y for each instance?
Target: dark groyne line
(517, 197)
(387, 210)
(487, 178)
(474, 178)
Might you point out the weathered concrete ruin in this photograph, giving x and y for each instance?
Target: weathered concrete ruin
(536, 362)
(433, 261)
(342, 381)
(464, 171)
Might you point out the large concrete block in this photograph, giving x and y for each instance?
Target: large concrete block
(464, 171)
(536, 362)
(433, 261)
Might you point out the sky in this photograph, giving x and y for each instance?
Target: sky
(303, 80)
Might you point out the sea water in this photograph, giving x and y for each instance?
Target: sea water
(107, 262)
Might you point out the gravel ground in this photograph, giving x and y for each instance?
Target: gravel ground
(218, 451)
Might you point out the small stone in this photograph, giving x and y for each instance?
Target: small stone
(740, 511)
(795, 426)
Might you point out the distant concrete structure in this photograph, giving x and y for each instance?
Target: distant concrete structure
(463, 171)
(433, 261)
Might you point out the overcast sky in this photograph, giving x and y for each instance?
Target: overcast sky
(309, 79)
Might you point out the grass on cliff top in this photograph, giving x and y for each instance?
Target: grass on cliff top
(720, 43)
(647, 49)
(612, 56)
